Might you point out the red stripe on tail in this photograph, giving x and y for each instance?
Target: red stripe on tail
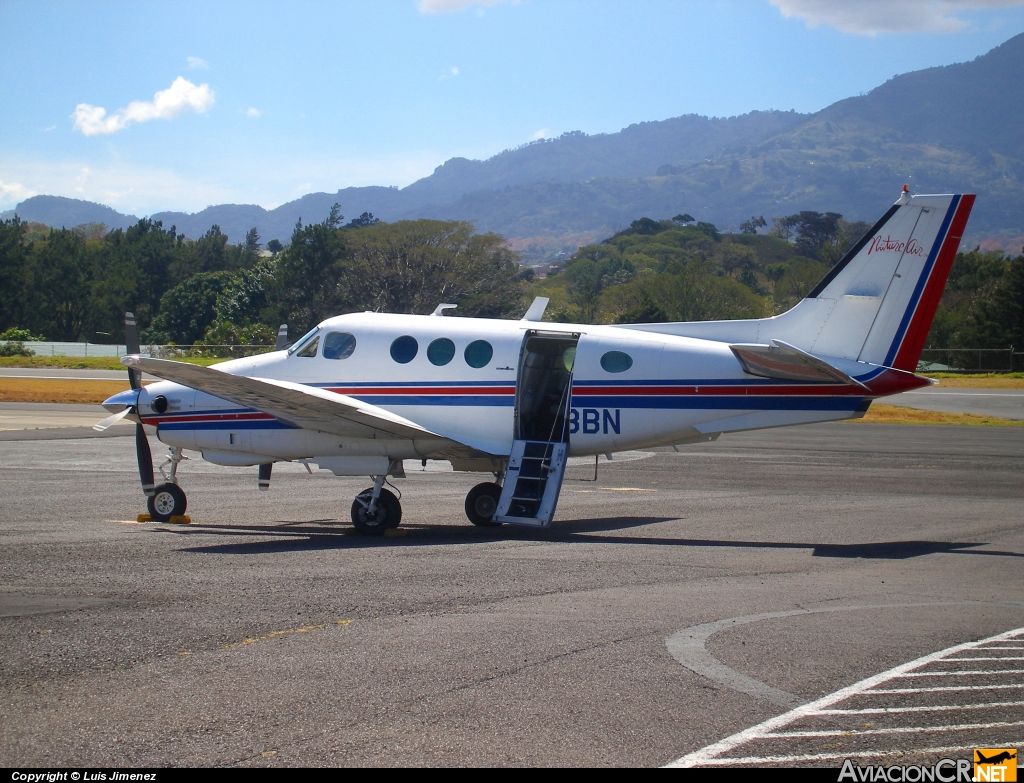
(921, 323)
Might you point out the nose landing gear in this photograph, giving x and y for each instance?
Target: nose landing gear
(168, 500)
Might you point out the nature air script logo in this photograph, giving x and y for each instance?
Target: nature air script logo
(995, 764)
(887, 244)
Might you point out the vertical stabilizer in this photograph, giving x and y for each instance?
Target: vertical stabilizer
(886, 289)
(877, 304)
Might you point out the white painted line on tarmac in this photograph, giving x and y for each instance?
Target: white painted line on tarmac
(941, 708)
(1017, 649)
(1004, 658)
(688, 647)
(725, 762)
(966, 672)
(895, 730)
(940, 688)
(768, 727)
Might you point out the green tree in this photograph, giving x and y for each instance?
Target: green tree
(13, 258)
(311, 278)
(147, 252)
(413, 265)
(751, 226)
(188, 309)
(59, 280)
(997, 320)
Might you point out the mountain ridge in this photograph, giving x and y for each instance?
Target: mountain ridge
(949, 128)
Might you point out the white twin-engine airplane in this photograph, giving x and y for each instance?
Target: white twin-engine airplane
(362, 392)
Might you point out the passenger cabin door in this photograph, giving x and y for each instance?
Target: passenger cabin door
(540, 448)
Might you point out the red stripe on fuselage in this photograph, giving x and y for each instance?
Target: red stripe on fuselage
(886, 383)
(420, 391)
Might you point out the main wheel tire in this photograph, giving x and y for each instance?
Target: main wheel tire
(388, 513)
(481, 503)
(166, 501)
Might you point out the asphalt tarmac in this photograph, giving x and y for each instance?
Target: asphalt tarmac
(680, 599)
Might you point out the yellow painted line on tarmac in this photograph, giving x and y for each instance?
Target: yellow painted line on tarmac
(277, 634)
(614, 489)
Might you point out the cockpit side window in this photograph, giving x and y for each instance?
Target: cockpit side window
(301, 342)
(339, 345)
(309, 350)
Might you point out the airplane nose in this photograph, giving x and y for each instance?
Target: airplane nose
(120, 401)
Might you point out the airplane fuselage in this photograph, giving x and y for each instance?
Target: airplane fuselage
(630, 389)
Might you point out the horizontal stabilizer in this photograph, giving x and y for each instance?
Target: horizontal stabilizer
(788, 363)
(299, 405)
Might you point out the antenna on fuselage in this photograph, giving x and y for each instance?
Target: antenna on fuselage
(439, 310)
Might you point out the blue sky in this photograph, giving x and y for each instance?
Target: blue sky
(154, 106)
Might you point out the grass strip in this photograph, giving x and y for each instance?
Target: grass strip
(84, 363)
(893, 414)
(989, 380)
(66, 390)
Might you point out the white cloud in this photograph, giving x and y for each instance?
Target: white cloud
(543, 133)
(166, 105)
(870, 17)
(196, 63)
(451, 73)
(450, 6)
(253, 112)
(50, 128)
(13, 192)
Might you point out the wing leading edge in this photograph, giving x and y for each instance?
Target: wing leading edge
(301, 406)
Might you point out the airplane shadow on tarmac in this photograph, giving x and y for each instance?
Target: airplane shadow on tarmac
(328, 534)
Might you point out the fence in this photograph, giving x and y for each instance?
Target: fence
(970, 360)
(159, 351)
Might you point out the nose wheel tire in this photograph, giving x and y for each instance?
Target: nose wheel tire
(388, 513)
(481, 503)
(166, 501)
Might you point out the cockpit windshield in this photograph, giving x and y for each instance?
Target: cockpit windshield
(303, 340)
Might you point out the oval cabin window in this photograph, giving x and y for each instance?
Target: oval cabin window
(404, 349)
(339, 345)
(616, 361)
(441, 351)
(478, 353)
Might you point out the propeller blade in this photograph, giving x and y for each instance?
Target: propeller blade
(264, 480)
(131, 344)
(145, 459)
(111, 420)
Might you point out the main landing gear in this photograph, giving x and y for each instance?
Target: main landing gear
(375, 510)
(482, 502)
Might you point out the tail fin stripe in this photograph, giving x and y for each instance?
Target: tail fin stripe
(922, 280)
(852, 252)
(909, 349)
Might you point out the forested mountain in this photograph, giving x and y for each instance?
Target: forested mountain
(952, 128)
(59, 211)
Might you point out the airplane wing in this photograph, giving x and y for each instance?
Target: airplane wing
(787, 362)
(301, 406)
